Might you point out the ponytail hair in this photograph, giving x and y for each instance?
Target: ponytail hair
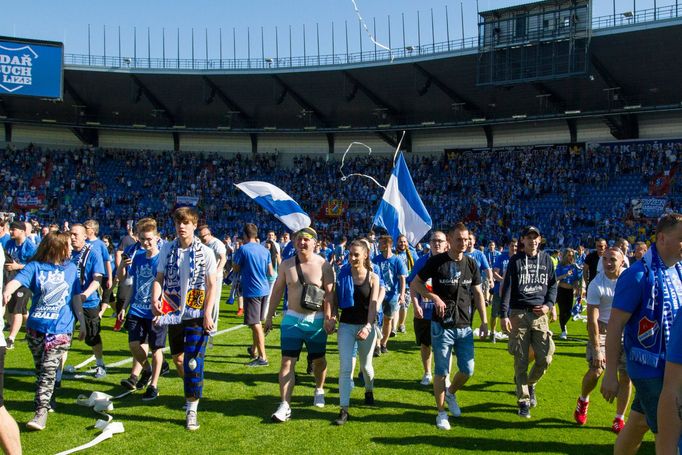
(364, 244)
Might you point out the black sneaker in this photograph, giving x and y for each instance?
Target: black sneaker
(150, 394)
(129, 383)
(9, 344)
(165, 368)
(369, 398)
(249, 350)
(392, 334)
(343, 417)
(145, 377)
(384, 350)
(533, 398)
(524, 410)
(377, 352)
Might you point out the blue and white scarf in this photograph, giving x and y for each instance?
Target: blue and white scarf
(173, 307)
(80, 261)
(662, 303)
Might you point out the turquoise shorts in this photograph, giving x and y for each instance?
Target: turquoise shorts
(298, 329)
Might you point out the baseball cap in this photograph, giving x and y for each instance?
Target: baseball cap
(530, 229)
(17, 225)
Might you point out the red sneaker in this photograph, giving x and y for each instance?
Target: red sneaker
(617, 425)
(580, 414)
(240, 312)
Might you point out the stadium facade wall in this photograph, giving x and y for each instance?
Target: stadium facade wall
(531, 133)
(132, 140)
(593, 130)
(213, 143)
(663, 125)
(44, 136)
(437, 141)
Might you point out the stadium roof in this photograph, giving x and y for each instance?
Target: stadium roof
(633, 69)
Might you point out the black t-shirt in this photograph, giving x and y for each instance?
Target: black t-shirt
(592, 261)
(453, 282)
(357, 314)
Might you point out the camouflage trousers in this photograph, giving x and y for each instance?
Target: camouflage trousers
(47, 350)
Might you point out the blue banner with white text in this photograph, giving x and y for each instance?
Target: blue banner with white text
(31, 68)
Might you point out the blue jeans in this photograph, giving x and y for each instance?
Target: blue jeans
(647, 392)
(443, 341)
(347, 342)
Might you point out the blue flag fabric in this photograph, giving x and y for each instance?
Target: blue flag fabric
(277, 202)
(401, 210)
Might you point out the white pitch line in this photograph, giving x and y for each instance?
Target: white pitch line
(13, 372)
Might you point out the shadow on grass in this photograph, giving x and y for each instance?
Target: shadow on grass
(503, 445)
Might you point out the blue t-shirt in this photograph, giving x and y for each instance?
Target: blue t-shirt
(20, 253)
(426, 305)
(3, 241)
(491, 257)
(639, 330)
(99, 245)
(143, 272)
(674, 351)
(289, 251)
(52, 287)
(563, 270)
(93, 265)
(253, 259)
(341, 255)
(479, 257)
(403, 257)
(391, 270)
(326, 253)
(501, 263)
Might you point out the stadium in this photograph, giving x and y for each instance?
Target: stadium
(550, 117)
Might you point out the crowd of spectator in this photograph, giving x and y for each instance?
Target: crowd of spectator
(496, 191)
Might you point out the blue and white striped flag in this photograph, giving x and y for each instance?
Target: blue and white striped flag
(277, 202)
(401, 210)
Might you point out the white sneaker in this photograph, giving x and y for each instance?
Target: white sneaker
(442, 422)
(100, 372)
(191, 421)
(501, 336)
(283, 413)
(318, 399)
(563, 335)
(426, 379)
(451, 400)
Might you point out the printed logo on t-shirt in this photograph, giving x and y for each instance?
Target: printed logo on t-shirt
(55, 292)
(647, 332)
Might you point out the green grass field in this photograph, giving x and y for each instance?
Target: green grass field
(238, 401)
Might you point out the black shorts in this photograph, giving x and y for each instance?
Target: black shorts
(93, 326)
(176, 335)
(145, 332)
(422, 331)
(2, 375)
(18, 303)
(254, 308)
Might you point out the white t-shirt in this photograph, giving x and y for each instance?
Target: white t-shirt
(600, 293)
(219, 249)
(183, 264)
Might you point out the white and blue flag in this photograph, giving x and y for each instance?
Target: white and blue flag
(277, 202)
(401, 210)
